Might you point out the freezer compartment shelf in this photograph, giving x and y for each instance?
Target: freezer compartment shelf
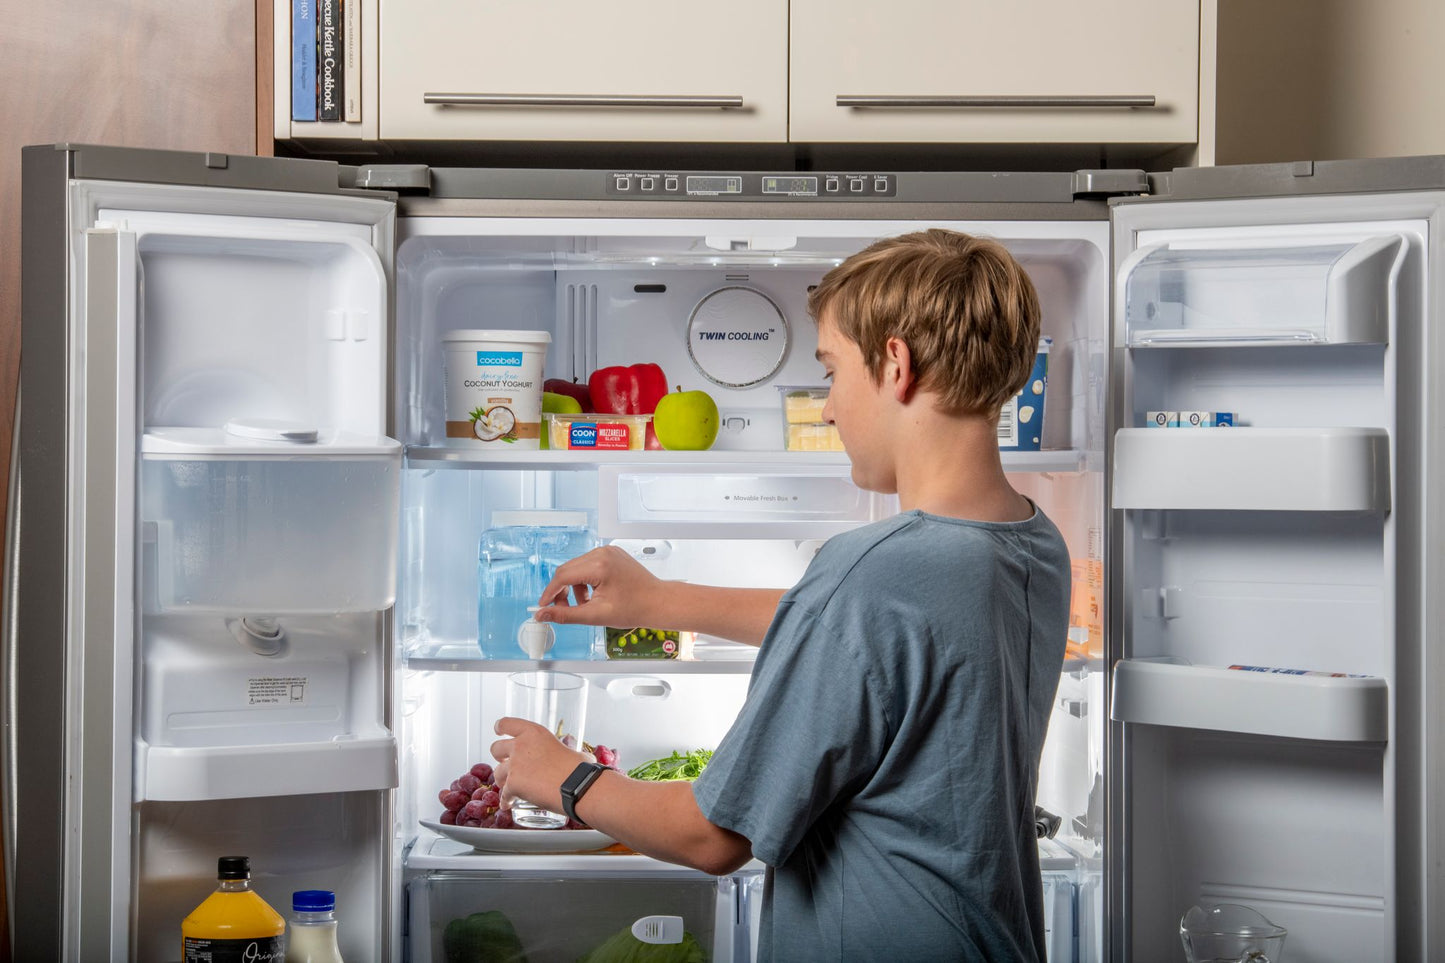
(1062, 460)
(1322, 707)
(1253, 469)
(728, 660)
(1183, 293)
(183, 773)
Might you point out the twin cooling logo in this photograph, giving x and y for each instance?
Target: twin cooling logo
(735, 335)
(499, 359)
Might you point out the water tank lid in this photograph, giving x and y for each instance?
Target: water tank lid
(546, 517)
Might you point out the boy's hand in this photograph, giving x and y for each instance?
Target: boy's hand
(532, 763)
(610, 588)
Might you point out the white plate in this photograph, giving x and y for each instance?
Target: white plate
(524, 840)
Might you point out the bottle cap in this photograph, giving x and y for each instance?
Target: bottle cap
(233, 867)
(313, 901)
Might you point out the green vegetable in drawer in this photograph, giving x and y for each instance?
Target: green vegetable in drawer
(482, 938)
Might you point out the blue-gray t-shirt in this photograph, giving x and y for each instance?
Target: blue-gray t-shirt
(884, 763)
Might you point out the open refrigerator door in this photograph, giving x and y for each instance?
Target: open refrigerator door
(1268, 482)
(207, 545)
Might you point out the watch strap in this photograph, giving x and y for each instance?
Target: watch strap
(577, 784)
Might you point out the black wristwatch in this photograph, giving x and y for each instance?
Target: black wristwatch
(577, 784)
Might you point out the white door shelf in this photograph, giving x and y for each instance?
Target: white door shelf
(1324, 707)
(1258, 469)
(1181, 293)
(240, 772)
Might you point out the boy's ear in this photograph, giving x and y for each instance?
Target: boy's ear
(898, 371)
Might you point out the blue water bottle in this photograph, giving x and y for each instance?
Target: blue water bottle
(515, 560)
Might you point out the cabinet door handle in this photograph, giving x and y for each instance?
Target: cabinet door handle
(579, 100)
(989, 100)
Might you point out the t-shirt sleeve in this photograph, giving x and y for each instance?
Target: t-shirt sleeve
(813, 728)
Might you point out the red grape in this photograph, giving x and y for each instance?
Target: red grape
(491, 798)
(453, 800)
(482, 771)
(449, 818)
(479, 792)
(466, 782)
(456, 786)
(489, 822)
(474, 809)
(504, 819)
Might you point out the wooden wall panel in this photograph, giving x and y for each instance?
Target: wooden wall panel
(125, 72)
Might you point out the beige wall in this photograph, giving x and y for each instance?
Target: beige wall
(127, 72)
(1329, 79)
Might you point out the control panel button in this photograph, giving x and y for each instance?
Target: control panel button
(647, 184)
(669, 183)
(880, 185)
(831, 185)
(622, 182)
(856, 184)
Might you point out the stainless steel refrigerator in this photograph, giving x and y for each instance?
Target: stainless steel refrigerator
(243, 610)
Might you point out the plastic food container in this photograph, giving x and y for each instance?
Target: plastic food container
(494, 387)
(591, 431)
(803, 404)
(644, 643)
(803, 426)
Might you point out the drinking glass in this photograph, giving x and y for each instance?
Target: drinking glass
(557, 701)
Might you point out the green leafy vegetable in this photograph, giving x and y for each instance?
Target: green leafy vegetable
(623, 947)
(676, 766)
(482, 938)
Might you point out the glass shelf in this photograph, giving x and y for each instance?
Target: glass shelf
(720, 659)
(417, 456)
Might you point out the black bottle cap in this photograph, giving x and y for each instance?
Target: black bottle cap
(233, 867)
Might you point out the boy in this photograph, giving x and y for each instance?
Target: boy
(883, 765)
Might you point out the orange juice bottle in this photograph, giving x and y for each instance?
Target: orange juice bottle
(234, 922)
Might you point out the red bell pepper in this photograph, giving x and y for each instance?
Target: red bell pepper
(629, 390)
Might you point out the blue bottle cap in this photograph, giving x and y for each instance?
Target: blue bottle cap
(313, 901)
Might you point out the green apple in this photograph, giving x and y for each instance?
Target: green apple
(557, 404)
(686, 420)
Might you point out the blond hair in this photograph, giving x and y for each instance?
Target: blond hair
(965, 308)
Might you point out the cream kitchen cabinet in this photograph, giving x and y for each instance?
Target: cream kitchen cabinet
(985, 71)
(579, 70)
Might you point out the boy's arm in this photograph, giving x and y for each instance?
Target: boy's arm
(612, 588)
(658, 819)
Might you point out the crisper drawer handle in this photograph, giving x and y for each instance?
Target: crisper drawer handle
(580, 100)
(1068, 101)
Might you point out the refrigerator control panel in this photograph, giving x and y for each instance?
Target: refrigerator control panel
(663, 184)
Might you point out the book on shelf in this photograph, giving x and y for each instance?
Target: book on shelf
(351, 74)
(303, 60)
(330, 70)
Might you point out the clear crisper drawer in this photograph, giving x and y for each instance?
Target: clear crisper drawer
(259, 530)
(545, 918)
(1194, 292)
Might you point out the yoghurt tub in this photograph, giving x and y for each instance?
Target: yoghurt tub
(494, 387)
